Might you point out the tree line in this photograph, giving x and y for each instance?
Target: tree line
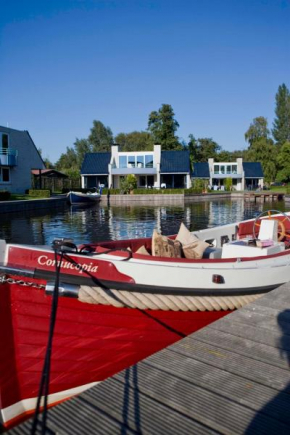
(270, 147)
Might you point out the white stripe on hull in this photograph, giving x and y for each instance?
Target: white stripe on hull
(28, 405)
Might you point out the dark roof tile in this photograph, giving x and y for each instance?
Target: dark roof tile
(200, 170)
(174, 162)
(253, 170)
(96, 163)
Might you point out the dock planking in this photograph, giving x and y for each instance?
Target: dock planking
(231, 377)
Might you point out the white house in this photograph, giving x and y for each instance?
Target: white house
(244, 175)
(155, 168)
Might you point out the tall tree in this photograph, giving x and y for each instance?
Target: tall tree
(81, 146)
(101, 137)
(135, 141)
(281, 125)
(263, 150)
(283, 160)
(163, 126)
(67, 161)
(257, 130)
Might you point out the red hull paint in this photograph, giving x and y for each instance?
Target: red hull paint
(91, 342)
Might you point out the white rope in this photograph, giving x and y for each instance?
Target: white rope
(143, 301)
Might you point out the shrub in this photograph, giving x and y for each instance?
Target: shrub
(128, 183)
(228, 184)
(40, 193)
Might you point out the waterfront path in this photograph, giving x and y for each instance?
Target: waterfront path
(231, 377)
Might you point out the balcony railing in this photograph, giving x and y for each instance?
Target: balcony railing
(8, 157)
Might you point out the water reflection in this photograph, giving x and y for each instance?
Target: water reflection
(105, 222)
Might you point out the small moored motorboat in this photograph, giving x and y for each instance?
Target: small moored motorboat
(124, 300)
(78, 198)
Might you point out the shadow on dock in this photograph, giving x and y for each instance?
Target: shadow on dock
(257, 425)
(126, 401)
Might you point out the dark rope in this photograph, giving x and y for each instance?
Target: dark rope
(44, 382)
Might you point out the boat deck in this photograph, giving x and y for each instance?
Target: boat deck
(231, 377)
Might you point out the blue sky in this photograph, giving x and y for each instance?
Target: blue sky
(65, 63)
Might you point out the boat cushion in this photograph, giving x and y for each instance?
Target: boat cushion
(184, 236)
(142, 250)
(212, 252)
(163, 246)
(195, 249)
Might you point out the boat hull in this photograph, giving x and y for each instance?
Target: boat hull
(91, 343)
(75, 198)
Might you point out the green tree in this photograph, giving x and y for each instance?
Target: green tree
(202, 149)
(101, 137)
(283, 160)
(281, 124)
(81, 147)
(135, 141)
(163, 127)
(263, 150)
(257, 130)
(67, 160)
(48, 164)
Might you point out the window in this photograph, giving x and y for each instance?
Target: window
(140, 161)
(216, 169)
(234, 169)
(5, 141)
(229, 169)
(131, 161)
(122, 161)
(222, 169)
(5, 175)
(149, 161)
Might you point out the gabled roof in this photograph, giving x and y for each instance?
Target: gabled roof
(49, 173)
(253, 170)
(19, 137)
(96, 163)
(174, 161)
(200, 170)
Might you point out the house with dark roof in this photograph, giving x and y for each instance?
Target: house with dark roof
(244, 175)
(18, 157)
(170, 169)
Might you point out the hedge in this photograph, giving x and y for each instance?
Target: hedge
(5, 195)
(145, 191)
(39, 193)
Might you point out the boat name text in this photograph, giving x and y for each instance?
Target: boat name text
(44, 260)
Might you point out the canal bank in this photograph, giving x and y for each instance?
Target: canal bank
(33, 204)
(150, 199)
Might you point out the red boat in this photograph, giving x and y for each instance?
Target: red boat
(110, 319)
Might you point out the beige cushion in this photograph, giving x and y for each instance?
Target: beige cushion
(142, 250)
(195, 249)
(162, 246)
(184, 236)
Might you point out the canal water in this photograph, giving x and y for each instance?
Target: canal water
(112, 222)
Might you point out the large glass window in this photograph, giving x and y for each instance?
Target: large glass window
(216, 169)
(229, 169)
(222, 169)
(140, 161)
(131, 161)
(234, 169)
(122, 161)
(149, 161)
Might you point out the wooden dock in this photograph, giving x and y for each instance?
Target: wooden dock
(231, 377)
(262, 196)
